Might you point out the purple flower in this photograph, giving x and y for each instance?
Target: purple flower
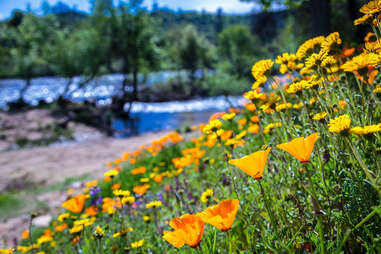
(97, 201)
(159, 196)
(94, 191)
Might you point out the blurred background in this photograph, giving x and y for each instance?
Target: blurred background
(129, 67)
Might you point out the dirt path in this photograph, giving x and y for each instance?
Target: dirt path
(47, 166)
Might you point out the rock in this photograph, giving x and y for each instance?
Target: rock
(76, 185)
(42, 221)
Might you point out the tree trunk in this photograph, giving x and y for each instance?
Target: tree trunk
(67, 87)
(192, 79)
(353, 13)
(134, 96)
(320, 17)
(24, 89)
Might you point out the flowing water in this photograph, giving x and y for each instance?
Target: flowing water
(147, 116)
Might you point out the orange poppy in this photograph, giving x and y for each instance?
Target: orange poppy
(242, 121)
(158, 178)
(175, 137)
(140, 170)
(115, 186)
(300, 148)
(222, 215)
(75, 204)
(253, 128)
(254, 119)
(216, 115)
(226, 135)
(91, 211)
(25, 234)
(141, 189)
(251, 107)
(252, 164)
(61, 227)
(188, 229)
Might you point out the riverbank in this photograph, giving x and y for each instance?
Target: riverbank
(37, 179)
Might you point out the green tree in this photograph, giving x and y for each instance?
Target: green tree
(131, 46)
(78, 52)
(191, 52)
(320, 12)
(237, 50)
(30, 38)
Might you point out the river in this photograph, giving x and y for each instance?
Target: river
(149, 116)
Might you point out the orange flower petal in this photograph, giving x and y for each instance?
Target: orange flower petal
(222, 215)
(300, 148)
(253, 164)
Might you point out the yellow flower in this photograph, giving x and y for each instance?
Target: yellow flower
(312, 100)
(271, 126)
(6, 251)
(339, 124)
(147, 218)
(298, 105)
(315, 60)
(205, 197)
(213, 126)
(261, 69)
(144, 180)
(122, 232)
(76, 229)
(288, 62)
(98, 232)
(121, 193)
(366, 19)
(128, 200)
(361, 62)
(91, 184)
(283, 106)
(153, 204)
(332, 41)
(254, 95)
(260, 81)
(297, 86)
(366, 129)
(241, 135)
(319, 116)
(63, 216)
(377, 89)
(371, 8)
(111, 173)
(137, 244)
(228, 117)
(309, 47)
(330, 64)
(373, 47)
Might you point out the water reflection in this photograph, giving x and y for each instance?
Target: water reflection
(149, 122)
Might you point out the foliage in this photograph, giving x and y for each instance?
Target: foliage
(222, 83)
(236, 48)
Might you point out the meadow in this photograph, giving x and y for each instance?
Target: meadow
(297, 170)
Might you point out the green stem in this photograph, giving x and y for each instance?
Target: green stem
(269, 211)
(30, 234)
(363, 166)
(370, 215)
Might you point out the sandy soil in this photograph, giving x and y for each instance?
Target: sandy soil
(48, 165)
(45, 166)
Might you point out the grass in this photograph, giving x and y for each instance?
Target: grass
(9, 205)
(18, 202)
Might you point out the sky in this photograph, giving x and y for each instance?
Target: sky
(228, 6)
